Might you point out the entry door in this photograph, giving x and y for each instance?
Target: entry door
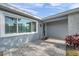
(44, 30)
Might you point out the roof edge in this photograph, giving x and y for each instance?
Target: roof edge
(10, 7)
(61, 14)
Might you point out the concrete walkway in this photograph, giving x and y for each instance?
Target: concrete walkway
(50, 47)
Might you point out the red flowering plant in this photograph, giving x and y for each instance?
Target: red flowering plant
(72, 40)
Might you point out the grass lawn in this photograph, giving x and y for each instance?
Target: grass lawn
(72, 52)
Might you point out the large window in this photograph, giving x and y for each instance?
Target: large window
(19, 25)
(10, 25)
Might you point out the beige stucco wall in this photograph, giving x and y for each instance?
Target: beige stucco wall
(73, 23)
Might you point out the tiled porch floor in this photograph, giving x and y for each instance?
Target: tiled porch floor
(50, 47)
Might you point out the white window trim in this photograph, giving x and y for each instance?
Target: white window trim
(17, 33)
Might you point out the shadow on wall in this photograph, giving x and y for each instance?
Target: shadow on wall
(15, 41)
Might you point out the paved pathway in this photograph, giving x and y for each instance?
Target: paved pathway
(50, 47)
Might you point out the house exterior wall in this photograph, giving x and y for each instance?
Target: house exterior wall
(73, 23)
(16, 40)
(1, 24)
(57, 29)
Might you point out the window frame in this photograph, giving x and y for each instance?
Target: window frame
(9, 29)
(17, 33)
(23, 19)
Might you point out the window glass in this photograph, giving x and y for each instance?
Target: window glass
(33, 26)
(24, 25)
(21, 25)
(10, 25)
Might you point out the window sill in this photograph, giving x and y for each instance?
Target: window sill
(17, 34)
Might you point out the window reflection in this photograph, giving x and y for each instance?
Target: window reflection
(21, 25)
(24, 25)
(10, 25)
